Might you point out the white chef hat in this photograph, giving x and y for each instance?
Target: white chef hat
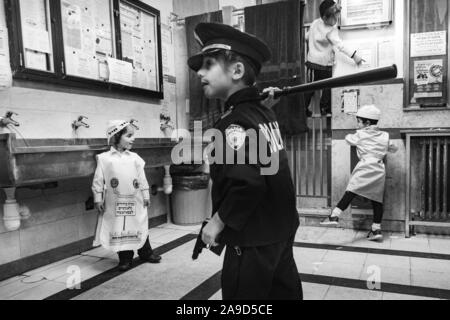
(369, 112)
(114, 127)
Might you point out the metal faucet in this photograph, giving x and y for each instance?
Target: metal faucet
(80, 123)
(8, 120)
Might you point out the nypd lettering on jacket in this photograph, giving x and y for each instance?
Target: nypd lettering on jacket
(273, 135)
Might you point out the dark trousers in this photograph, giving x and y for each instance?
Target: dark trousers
(261, 273)
(325, 101)
(144, 252)
(377, 206)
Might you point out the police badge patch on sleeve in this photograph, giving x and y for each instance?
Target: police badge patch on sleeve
(235, 136)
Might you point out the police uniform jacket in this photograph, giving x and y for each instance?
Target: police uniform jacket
(257, 209)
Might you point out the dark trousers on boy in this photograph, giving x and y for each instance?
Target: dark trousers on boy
(261, 273)
(377, 206)
(317, 73)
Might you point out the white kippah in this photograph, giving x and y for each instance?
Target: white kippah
(369, 112)
(114, 127)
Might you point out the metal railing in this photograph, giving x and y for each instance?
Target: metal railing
(310, 160)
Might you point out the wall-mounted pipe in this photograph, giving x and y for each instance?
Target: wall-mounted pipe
(167, 189)
(13, 213)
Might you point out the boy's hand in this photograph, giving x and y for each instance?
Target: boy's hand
(358, 60)
(270, 102)
(100, 207)
(212, 230)
(146, 203)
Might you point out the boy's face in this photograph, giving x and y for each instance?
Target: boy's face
(217, 80)
(127, 139)
(361, 124)
(332, 18)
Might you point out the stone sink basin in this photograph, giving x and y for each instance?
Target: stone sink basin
(34, 162)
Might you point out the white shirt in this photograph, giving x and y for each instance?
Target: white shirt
(323, 42)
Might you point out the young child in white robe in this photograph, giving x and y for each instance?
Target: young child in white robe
(369, 176)
(121, 195)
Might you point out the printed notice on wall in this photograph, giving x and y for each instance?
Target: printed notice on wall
(386, 52)
(5, 73)
(139, 46)
(350, 101)
(429, 44)
(364, 12)
(36, 34)
(120, 72)
(428, 78)
(88, 40)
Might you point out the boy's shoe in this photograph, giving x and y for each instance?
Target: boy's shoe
(153, 258)
(125, 266)
(330, 221)
(375, 236)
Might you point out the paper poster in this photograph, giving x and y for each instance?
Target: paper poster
(428, 78)
(386, 52)
(368, 51)
(429, 44)
(350, 101)
(3, 41)
(103, 72)
(131, 30)
(5, 73)
(150, 61)
(364, 12)
(71, 17)
(139, 45)
(2, 14)
(120, 72)
(141, 79)
(33, 14)
(81, 64)
(36, 39)
(36, 60)
(103, 29)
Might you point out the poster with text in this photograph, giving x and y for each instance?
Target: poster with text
(428, 78)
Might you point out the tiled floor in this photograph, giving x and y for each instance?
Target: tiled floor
(349, 259)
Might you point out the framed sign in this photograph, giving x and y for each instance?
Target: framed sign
(365, 13)
(427, 60)
(102, 45)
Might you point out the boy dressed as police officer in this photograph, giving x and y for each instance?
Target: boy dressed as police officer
(255, 214)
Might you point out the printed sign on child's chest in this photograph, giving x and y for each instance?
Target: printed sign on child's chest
(125, 209)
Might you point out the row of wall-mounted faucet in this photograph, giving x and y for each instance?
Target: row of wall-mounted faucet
(79, 123)
(8, 120)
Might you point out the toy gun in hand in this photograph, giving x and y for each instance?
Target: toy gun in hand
(200, 245)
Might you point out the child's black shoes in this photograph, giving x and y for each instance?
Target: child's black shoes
(375, 236)
(125, 266)
(152, 258)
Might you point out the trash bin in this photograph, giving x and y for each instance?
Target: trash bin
(190, 198)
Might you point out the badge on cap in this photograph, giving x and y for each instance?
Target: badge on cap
(235, 135)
